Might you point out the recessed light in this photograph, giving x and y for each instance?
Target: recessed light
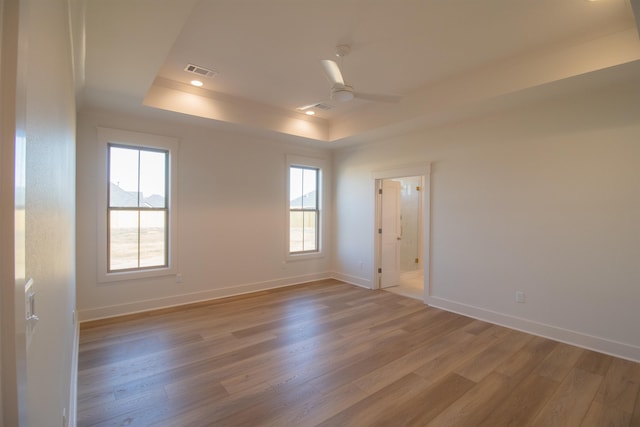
(197, 83)
(309, 112)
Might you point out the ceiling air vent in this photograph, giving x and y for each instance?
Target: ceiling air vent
(201, 71)
(319, 106)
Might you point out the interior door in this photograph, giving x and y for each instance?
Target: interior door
(391, 234)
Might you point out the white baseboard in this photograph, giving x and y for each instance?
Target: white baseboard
(602, 345)
(352, 280)
(176, 300)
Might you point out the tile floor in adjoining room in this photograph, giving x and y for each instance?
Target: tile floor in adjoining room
(411, 285)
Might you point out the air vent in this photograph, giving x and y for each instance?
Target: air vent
(201, 71)
(319, 106)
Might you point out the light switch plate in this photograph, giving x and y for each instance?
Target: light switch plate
(31, 318)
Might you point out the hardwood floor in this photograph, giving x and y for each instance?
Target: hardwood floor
(330, 354)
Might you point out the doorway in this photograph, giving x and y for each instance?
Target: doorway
(402, 231)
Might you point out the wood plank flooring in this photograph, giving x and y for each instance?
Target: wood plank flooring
(330, 354)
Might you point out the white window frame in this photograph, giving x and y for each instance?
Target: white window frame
(321, 166)
(108, 136)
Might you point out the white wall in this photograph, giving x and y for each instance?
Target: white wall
(231, 204)
(543, 199)
(50, 210)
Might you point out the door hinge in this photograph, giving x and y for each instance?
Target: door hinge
(379, 230)
(379, 270)
(379, 190)
(417, 261)
(418, 188)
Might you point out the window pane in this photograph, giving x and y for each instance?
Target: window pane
(153, 239)
(123, 177)
(310, 232)
(309, 182)
(123, 240)
(153, 166)
(295, 188)
(295, 232)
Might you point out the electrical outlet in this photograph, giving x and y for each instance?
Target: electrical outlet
(179, 278)
(520, 297)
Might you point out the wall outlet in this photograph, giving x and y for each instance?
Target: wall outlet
(520, 297)
(179, 278)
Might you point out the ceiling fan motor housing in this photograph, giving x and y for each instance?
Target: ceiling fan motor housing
(342, 93)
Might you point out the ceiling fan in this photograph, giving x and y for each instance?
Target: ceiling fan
(341, 91)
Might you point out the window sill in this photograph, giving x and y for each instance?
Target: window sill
(304, 256)
(108, 278)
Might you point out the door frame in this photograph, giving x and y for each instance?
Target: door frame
(423, 170)
(13, 370)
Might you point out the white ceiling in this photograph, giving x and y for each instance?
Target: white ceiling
(445, 57)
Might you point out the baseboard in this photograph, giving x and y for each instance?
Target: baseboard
(352, 280)
(590, 342)
(176, 300)
(73, 389)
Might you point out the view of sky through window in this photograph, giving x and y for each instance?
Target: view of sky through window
(139, 171)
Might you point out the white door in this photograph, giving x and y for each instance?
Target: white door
(391, 234)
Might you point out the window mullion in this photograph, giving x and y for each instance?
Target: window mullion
(302, 205)
(138, 208)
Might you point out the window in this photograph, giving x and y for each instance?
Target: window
(304, 212)
(137, 210)
(304, 207)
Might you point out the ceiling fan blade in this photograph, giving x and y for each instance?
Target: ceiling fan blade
(333, 71)
(377, 97)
